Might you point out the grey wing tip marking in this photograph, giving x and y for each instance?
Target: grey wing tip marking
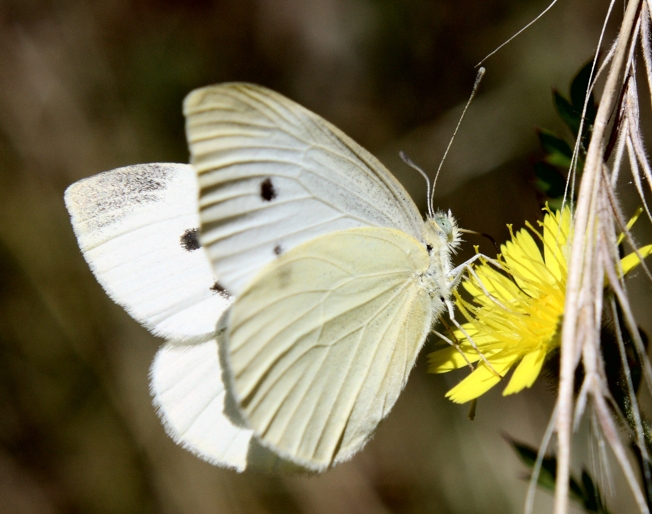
(113, 190)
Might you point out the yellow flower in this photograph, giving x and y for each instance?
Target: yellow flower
(519, 325)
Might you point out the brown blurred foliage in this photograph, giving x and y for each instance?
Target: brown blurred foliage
(87, 86)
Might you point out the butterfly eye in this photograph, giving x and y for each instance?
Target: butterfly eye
(444, 222)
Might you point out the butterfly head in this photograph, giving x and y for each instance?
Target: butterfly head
(442, 228)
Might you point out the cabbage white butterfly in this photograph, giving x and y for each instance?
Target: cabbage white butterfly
(292, 332)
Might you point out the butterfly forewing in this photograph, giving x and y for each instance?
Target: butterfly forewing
(138, 229)
(272, 175)
(320, 344)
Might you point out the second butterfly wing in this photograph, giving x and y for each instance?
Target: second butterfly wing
(273, 174)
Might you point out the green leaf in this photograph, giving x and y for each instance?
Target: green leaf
(635, 364)
(549, 180)
(578, 90)
(548, 471)
(559, 151)
(584, 492)
(576, 491)
(592, 498)
(579, 85)
(614, 369)
(568, 114)
(556, 204)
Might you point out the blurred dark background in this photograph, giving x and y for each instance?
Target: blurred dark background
(87, 86)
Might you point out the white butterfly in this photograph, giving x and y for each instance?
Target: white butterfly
(292, 332)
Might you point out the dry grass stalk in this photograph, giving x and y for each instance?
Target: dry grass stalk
(594, 255)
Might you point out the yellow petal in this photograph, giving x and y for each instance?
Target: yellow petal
(481, 380)
(527, 371)
(556, 228)
(630, 224)
(449, 359)
(629, 262)
(499, 285)
(524, 260)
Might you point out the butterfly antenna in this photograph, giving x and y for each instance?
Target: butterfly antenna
(519, 32)
(478, 78)
(411, 164)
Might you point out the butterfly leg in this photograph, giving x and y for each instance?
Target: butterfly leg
(457, 274)
(471, 341)
(455, 345)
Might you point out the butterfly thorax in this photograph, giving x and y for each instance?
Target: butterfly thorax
(441, 237)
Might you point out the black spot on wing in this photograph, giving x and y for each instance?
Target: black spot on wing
(278, 250)
(267, 191)
(190, 240)
(429, 248)
(220, 289)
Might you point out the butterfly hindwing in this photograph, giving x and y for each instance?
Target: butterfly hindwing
(321, 342)
(273, 174)
(186, 383)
